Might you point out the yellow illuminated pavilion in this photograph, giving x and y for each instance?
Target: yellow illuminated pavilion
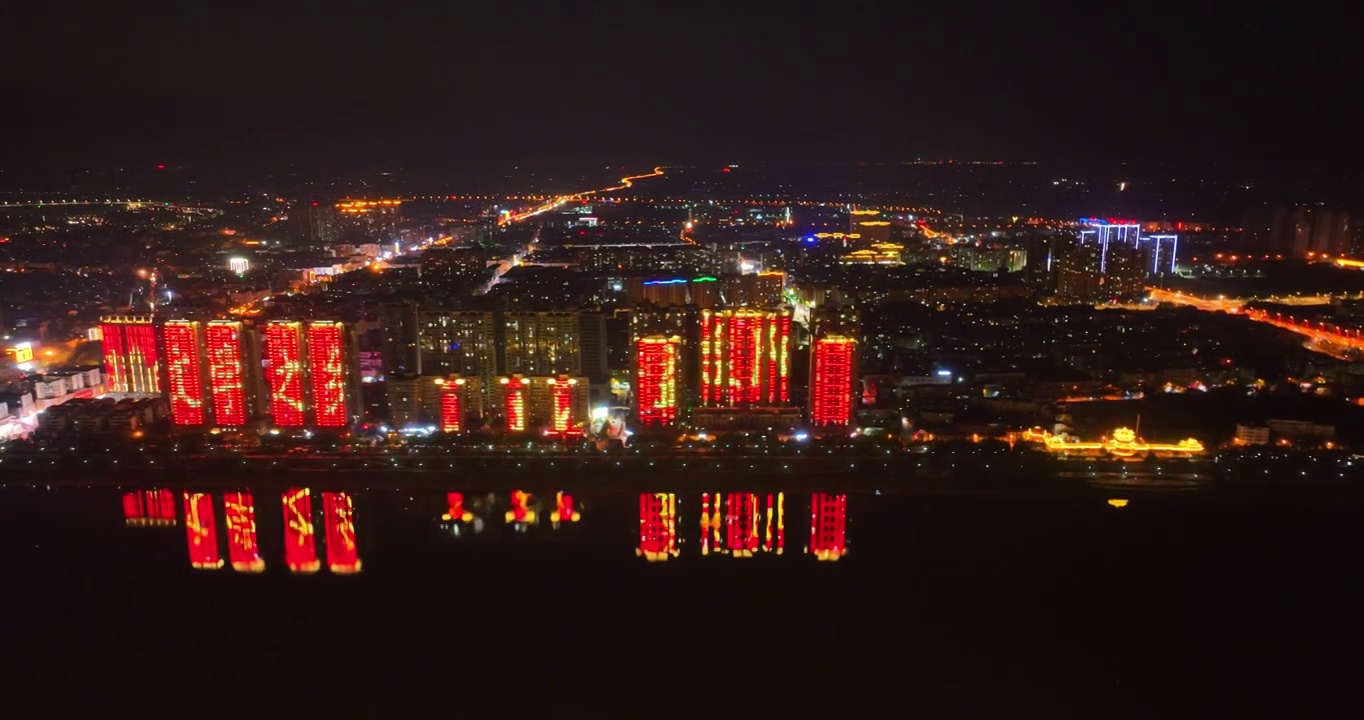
(1123, 445)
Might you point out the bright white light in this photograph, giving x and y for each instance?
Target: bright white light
(802, 437)
(944, 373)
(600, 413)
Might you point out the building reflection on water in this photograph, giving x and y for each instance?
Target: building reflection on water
(318, 531)
(741, 525)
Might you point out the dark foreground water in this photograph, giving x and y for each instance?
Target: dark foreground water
(105, 609)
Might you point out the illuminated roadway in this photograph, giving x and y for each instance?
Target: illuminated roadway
(507, 264)
(1325, 338)
(625, 182)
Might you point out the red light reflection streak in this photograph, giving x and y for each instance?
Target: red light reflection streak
(243, 547)
(705, 523)
(657, 527)
(778, 510)
(343, 557)
(201, 532)
(828, 526)
(300, 544)
(520, 511)
(149, 507)
(457, 511)
(564, 510)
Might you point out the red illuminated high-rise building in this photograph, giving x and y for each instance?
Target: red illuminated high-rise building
(232, 379)
(132, 362)
(186, 379)
(745, 357)
(284, 372)
(833, 363)
(208, 372)
(454, 404)
(658, 369)
(556, 404)
(327, 371)
(311, 372)
(661, 340)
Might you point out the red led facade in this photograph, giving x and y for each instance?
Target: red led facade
(243, 545)
(828, 526)
(201, 532)
(300, 541)
(745, 357)
(284, 372)
(343, 557)
(712, 329)
(515, 403)
(181, 340)
(227, 388)
(780, 354)
(656, 379)
(144, 372)
(657, 526)
(831, 381)
(561, 398)
(115, 357)
(149, 507)
(328, 373)
(744, 339)
(451, 407)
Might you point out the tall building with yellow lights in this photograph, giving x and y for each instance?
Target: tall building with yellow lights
(368, 219)
(870, 226)
(661, 340)
(833, 366)
(132, 357)
(745, 357)
(554, 404)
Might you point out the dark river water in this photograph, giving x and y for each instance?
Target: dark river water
(314, 599)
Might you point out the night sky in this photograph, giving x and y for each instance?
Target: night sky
(341, 85)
